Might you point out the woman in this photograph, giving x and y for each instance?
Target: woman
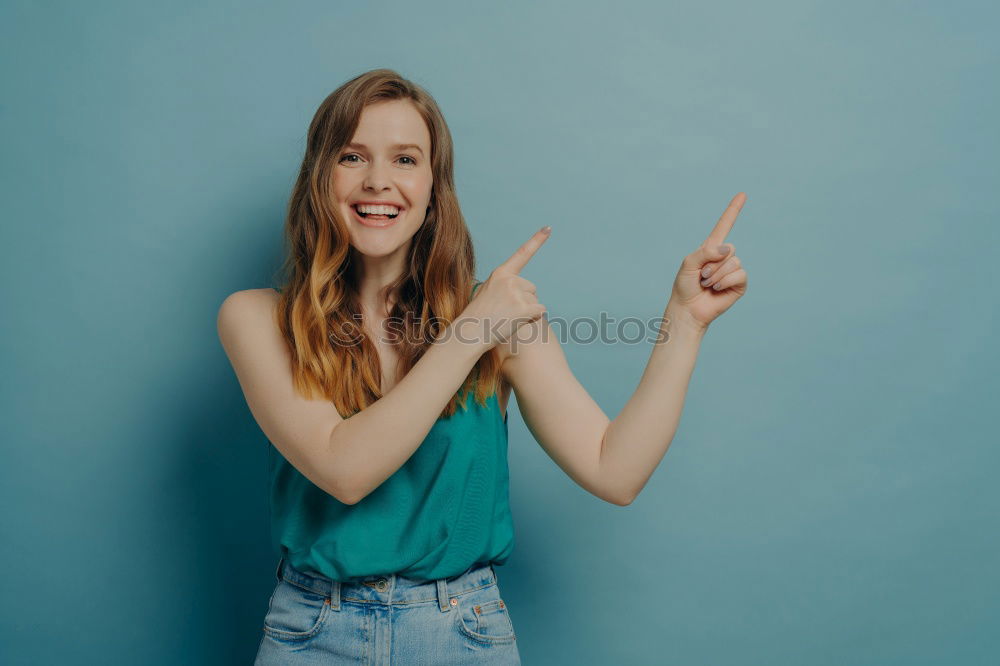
(381, 373)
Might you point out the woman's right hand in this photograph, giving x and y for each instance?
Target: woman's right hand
(505, 300)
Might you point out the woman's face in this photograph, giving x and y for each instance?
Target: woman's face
(387, 160)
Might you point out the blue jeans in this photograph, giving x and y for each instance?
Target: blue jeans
(388, 619)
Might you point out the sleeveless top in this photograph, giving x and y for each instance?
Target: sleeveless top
(444, 510)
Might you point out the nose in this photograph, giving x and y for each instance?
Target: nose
(376, 179)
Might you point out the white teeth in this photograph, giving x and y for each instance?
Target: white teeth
(377, 210)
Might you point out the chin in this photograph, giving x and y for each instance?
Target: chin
(375, 247)
(375, 252)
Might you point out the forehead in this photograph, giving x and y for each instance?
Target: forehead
(389, 123)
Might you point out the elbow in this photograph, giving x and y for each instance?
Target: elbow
(342, 495)
(614, 493)
(622, 499)
(347, 492)
(345, 488)
(353, 495)
(348, 501)
(623, 502)
(336, 489)
(616, 499)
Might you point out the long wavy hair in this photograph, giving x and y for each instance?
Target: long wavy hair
(319, 307)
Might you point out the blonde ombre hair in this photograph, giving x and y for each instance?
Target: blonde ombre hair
(319, 306)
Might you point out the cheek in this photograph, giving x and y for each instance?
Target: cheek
(419, 185)
(342, 185)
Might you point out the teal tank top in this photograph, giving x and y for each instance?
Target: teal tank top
(446, 509)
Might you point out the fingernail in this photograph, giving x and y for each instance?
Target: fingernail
(704, 282)
(547, 229)
(722, 249)
(706, 271)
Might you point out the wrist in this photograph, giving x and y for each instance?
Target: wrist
(679, 319)
(466, 335)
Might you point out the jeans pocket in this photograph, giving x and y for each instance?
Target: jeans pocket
(294, 613)
(483, 616)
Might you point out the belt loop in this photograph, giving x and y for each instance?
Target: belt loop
(442, 590)
(335, 595)
(281, 562)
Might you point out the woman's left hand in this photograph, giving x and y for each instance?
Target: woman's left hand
(712, 277)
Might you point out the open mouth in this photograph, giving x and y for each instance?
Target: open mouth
(374, 217)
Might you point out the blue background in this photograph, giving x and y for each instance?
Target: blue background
(829, 497)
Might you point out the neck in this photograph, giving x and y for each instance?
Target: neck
(374, 275)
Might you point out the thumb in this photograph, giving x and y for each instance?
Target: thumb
(706, 253)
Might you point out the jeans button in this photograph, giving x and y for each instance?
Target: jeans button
(381, 584)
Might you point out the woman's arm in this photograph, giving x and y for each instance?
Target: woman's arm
(347, 458)
(614, 459)
(371, 445)
(636, 441)
(610, 459)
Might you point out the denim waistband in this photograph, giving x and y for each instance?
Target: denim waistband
(390, 588)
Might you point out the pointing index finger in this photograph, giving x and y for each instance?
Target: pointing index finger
(725, 223)
(523, 254)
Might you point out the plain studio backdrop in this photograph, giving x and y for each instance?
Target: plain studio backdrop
(830, 495)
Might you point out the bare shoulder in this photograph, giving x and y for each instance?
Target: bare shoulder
(266, 294)
(250, 299)
(248, 309)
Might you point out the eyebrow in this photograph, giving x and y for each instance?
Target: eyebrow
(396, 146)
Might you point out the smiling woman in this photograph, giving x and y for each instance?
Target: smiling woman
(381, 373)
(388, 453)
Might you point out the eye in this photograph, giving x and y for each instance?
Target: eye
(412, 161)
